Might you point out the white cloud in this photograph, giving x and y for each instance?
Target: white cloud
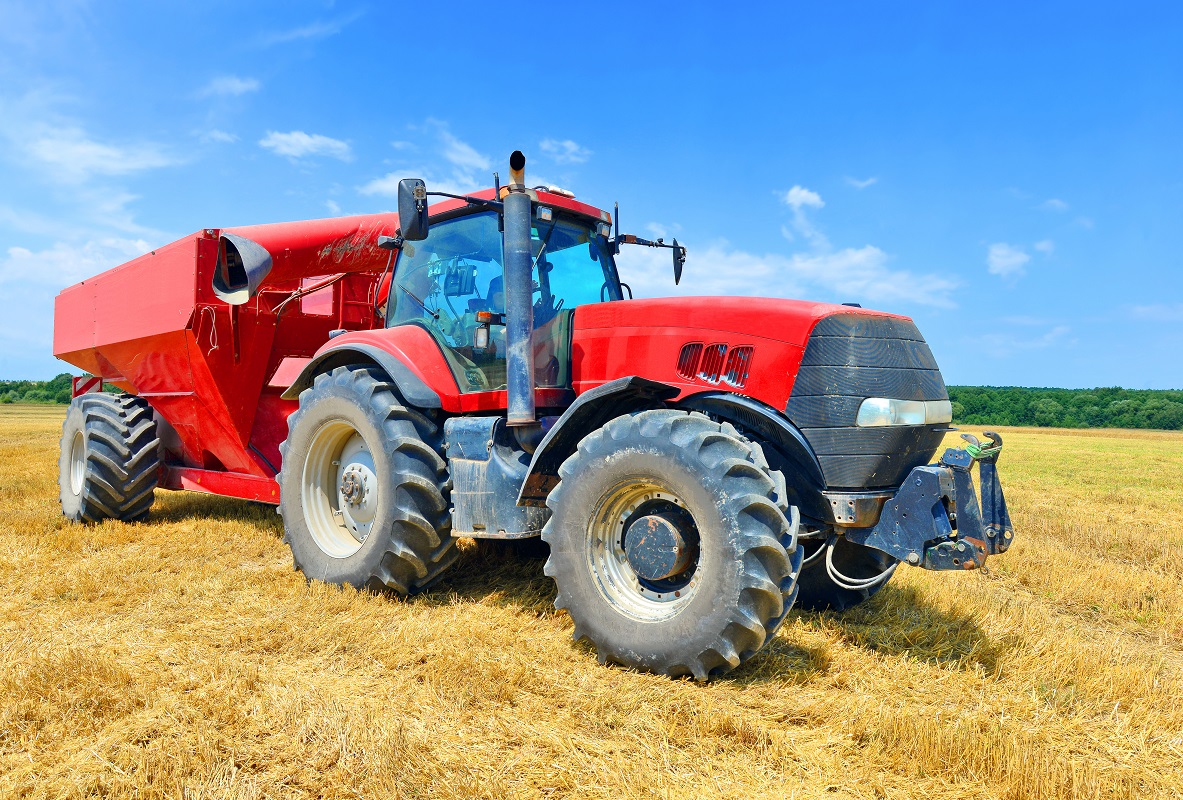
(387, 185)
(71, 156)
(1160, 312)
(564, 151)
(314, 30)
(30, 279)
(799, 197)
(216, 135)
(461, 154)
(333, 208)
(66, 263)
(298, 144)
(26, 221)
(1006, 260)
(454, 166)
(863, 184)
(849, 275)
(1045, 246)
(1054, 204)
(228, 86)
(1002, 344)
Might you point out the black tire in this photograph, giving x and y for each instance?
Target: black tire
(409, 541)
(819, 592)
(742, 578)
(110, 458)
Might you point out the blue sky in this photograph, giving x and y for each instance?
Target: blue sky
(1010, 176)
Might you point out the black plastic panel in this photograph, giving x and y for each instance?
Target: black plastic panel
(849, 358)
(823, 410)
(867, 441)
(834, 351)
(865, 326)
(901, 384)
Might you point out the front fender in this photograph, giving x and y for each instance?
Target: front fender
(591, 410)
(410, 386)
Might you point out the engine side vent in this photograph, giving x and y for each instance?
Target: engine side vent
(712, 362)
(688, 359)
(739, 364)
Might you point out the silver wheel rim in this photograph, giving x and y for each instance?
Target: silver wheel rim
(608, 563)
(77, 462)
(339, 489)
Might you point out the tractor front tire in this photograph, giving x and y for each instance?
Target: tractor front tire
(110, 458)
(819, 592)
(735, 557)
(362, 488)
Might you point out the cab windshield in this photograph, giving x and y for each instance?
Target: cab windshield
(443, 281)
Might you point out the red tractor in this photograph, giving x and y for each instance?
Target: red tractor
(478, 369)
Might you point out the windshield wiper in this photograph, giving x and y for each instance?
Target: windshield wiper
(434, 314)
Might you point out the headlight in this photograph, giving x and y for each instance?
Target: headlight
(882, 411)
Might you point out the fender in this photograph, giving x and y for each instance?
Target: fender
(785, 446)
(409, 385)
(590, 411)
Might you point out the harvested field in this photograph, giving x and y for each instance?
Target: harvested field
(184, 658)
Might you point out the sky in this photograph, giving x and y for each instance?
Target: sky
(1010, 175)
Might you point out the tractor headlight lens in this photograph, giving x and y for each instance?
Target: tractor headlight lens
(882, 411)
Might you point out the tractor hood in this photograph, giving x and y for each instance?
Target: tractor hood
(749, 345)
(787, 321)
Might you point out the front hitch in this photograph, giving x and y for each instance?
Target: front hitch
(935, 520)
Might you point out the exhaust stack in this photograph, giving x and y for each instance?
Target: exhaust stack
(519, 297)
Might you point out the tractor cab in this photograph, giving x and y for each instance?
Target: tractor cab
(452, 284)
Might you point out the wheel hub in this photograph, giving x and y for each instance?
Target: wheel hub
(353, 486)
(656, 547)
(340, 489)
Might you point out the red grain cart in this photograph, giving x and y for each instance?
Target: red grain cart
(478, 369)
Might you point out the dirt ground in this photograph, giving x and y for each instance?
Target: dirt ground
(182, 657)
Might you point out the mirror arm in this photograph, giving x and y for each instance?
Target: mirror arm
(628, 238)
(476, 201)
(679, 250)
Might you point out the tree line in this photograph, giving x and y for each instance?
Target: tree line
(1109, 407)
(55, 391)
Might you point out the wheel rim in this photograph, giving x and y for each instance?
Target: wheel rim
(339, 489)
(77, 462)
(615, 518)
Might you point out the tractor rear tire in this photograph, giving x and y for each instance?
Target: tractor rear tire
(819, 592)
(110, 458)
(363, 488)
(740, 577)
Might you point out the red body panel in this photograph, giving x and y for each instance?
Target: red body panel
(414, 347)
(154, 327)
(644, 337)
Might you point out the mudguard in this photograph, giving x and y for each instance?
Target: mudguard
(409, 385)
(784, 445)
(590, 411)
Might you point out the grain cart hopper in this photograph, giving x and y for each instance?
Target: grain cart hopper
(477, 368)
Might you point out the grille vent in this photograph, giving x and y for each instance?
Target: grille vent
(688, 359)
(712, 362)
(739, 362)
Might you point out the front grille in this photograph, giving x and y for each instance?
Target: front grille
(848, 358)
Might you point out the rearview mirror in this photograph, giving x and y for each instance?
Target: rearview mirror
(679, 260)
(412, 209)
